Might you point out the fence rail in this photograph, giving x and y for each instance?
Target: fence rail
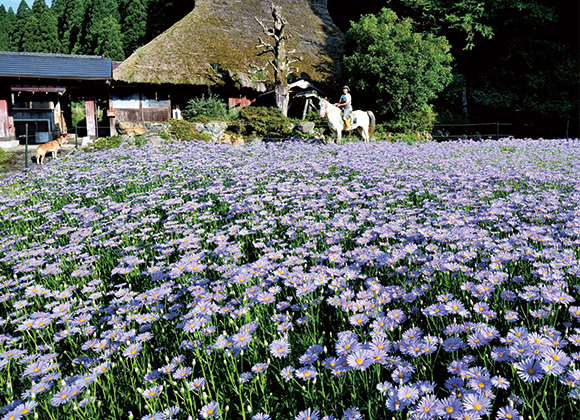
(466, 132)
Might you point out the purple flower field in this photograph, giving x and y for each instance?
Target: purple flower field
(294, 281)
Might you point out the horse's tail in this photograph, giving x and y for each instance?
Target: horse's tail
(372, 125)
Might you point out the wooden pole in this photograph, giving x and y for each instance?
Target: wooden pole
(26, 149)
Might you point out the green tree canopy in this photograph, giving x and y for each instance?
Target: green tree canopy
(69, 14)
(95, 13)
(392, 69)
(5, 30)
(134, 25)
(22, 15)
(40, 32)
(108, 36)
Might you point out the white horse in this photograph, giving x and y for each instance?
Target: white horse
(361, 120)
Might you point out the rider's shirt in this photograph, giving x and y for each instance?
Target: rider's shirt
(345, 98)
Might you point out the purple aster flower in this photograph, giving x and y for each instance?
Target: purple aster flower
(530, 370)
(308, 414)
(64, 395)
(352, 413)
(153, 416)
(210, 410)
(152, 392)
(245, 377)
(132, 350)
(384, 387)
(453, 344)
(197, 384)
(306, 373)
(476, 404)
(508, 413)
(449, 408)
(500, 382)
(359, 320)
(152, 376)
(279, 348)
(426, 407)
(259, 367)
(287, 373)
(182, 372)
(359, 360)
(408, 394)
(454, 382)
(261, 416)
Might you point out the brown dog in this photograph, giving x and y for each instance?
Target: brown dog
(51, 146)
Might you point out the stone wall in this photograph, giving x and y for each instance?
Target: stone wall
(151, 131)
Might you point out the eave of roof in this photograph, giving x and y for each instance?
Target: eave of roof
(54, 66)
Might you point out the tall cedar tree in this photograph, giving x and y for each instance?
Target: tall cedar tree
(5, 30)
(22, 15)
(108, 35)
(134, 25)
(69, 14)
(40, 32)
(94, 15)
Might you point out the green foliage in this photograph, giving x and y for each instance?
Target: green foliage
(479, 18)
(69, 14)
(22, 16)
(185, 130)
(40, 32)
(97, 18)
(394, 70)
(262, 121)
(134, 25)
(5, 29)
(103, 143)
(4, 155)
(108, 36)
(206, 109)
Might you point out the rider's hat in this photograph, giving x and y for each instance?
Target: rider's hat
(346, 87)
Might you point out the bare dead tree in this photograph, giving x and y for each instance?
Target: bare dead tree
(282, 60)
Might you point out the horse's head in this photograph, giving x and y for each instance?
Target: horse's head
(323, 107)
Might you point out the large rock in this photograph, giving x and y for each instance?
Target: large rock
(215, 130)
(232, 138)
(305, 127)
(131, 128)
(158, 127)
(153, 138)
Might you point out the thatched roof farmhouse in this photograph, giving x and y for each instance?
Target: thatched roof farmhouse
(215, 44)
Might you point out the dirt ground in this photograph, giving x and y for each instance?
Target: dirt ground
(16, 164)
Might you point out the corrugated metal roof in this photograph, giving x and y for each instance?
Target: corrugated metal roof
(21, 64)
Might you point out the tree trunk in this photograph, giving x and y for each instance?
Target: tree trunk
(282, 95)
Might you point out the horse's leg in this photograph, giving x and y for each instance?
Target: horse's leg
(363, 134)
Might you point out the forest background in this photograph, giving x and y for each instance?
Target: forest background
(513, 60)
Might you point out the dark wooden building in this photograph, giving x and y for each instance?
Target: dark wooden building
(25, 77)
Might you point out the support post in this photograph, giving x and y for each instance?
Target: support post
(26, 149)
(91, 116)
(6, 118)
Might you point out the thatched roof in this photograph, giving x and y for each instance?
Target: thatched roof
(216, 43)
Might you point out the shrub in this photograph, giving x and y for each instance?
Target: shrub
(206, 109)
(420, 120)
(185, 130)
(262, 121)
(4, 156)
(394, 70)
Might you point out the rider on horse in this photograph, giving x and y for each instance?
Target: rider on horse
(345, 103)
